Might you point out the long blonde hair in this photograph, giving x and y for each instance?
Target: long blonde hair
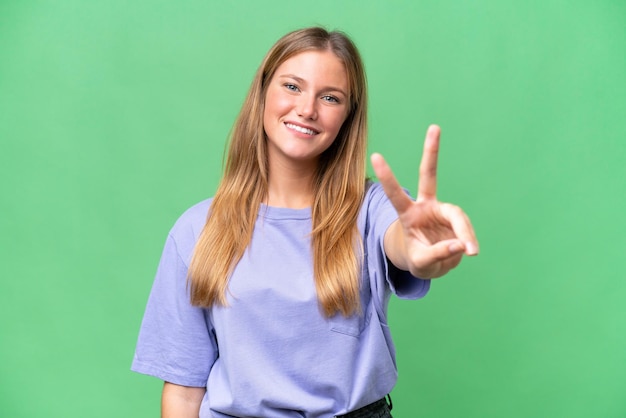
(339, 187)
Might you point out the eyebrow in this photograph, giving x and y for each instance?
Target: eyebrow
(301, 80)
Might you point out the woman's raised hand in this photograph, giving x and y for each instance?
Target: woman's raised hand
(430, 237)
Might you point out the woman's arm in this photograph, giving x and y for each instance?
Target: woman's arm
(429, 238)
(181, 401)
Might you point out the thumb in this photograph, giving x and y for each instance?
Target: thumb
(443, 250)
(439, 258)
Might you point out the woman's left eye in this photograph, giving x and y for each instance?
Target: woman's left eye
(331, 99)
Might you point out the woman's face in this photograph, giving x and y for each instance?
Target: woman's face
(305, 105)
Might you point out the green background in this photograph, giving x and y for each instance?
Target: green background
(113, 119)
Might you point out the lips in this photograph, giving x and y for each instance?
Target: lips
(302, 129)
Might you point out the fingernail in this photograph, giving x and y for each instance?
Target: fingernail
(455, 247)
(471, 248)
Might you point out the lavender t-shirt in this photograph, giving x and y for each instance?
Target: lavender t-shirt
(270, 352)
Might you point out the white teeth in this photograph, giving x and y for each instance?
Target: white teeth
(300, 129)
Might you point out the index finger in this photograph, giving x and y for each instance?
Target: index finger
(427, 186)
(398, 198)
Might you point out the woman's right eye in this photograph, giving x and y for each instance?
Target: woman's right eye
(291, 87)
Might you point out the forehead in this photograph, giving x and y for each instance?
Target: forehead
(316, 67)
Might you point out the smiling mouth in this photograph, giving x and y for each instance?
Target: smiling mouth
(301, 129)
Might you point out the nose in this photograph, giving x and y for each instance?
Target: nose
(307, 107)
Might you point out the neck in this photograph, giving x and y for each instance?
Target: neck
(290, 186)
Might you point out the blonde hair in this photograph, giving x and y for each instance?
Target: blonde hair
(339, 187)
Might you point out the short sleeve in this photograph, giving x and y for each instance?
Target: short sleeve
(380, 214)
(176, 341)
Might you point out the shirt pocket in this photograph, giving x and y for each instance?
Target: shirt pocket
(352, 325)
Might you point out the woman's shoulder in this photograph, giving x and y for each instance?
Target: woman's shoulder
(376, 206)
(188, 226)
(374, 194)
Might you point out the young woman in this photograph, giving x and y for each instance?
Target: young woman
(270, 299)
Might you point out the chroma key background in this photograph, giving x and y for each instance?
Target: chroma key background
(113, 120)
